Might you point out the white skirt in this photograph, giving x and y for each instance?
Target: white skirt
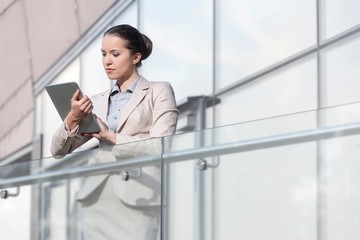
(105, 217)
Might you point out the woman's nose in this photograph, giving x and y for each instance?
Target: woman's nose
(107, 61)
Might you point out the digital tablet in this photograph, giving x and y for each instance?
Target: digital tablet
(61, 95)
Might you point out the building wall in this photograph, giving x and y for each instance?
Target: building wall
(34, 35)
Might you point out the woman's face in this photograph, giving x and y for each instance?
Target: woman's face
(118, 63)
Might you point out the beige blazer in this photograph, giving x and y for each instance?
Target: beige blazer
(150, 113)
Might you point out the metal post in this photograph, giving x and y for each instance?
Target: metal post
(199, 227)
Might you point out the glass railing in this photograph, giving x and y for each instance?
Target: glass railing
(287, 177)
(60, 202)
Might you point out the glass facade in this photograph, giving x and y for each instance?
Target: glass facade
(183, 45)
(339, 66)
(252, 35)
(337, 17)
(260, 60)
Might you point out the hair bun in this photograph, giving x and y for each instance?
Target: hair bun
(148, 45)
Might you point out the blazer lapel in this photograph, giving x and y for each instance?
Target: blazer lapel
(140, 91)
(101, 104)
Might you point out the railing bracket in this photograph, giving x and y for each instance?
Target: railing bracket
(4, 194)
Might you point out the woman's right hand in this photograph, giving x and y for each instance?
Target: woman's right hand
(81, 106)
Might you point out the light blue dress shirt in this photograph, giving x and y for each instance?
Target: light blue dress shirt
(117, 102)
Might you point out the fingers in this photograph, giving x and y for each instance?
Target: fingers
(95, 135)
(84, 105)
(76, 95)
(103, 127)
(81, 106)
(101, 123)
(87, 106)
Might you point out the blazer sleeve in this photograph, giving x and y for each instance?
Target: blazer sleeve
(64, 142)
(165, 112)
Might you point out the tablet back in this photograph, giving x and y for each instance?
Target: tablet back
(61, 95)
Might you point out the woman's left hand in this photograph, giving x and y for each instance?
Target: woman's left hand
(105, 134)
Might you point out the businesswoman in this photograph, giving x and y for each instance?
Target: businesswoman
(120, 206)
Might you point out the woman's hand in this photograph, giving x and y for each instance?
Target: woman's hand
(81, 106)
(104, 134)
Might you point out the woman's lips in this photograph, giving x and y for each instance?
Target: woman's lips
(109, 70)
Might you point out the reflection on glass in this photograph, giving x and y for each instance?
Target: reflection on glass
(15, 213)
(178, 200)
(260, 98)
(255, 34)
(340, 66)
(182, 40)
(261, 129)
(56, 210)
(280, 188)
(67, 207)
(338, 16)
(340, 169)
(273, 190)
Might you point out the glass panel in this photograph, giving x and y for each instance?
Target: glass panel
(178, 224)
(339, 16)
(183, 52)
(271, 182)
(340, 173)
(258, 130)
(340, 72)
(15, 214)
(292, 181)
(255, 34)
(273, 190)
(261, 99)
(57, 209)
(119, 200)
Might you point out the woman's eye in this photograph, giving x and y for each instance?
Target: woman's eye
(103, 54)
(115, 54)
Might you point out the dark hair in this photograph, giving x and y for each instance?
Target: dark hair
(136, 41)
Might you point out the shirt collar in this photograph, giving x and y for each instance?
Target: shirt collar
(115, 89)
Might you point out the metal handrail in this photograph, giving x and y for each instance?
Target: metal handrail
(177, 156)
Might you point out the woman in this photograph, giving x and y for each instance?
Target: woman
(114, 206)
